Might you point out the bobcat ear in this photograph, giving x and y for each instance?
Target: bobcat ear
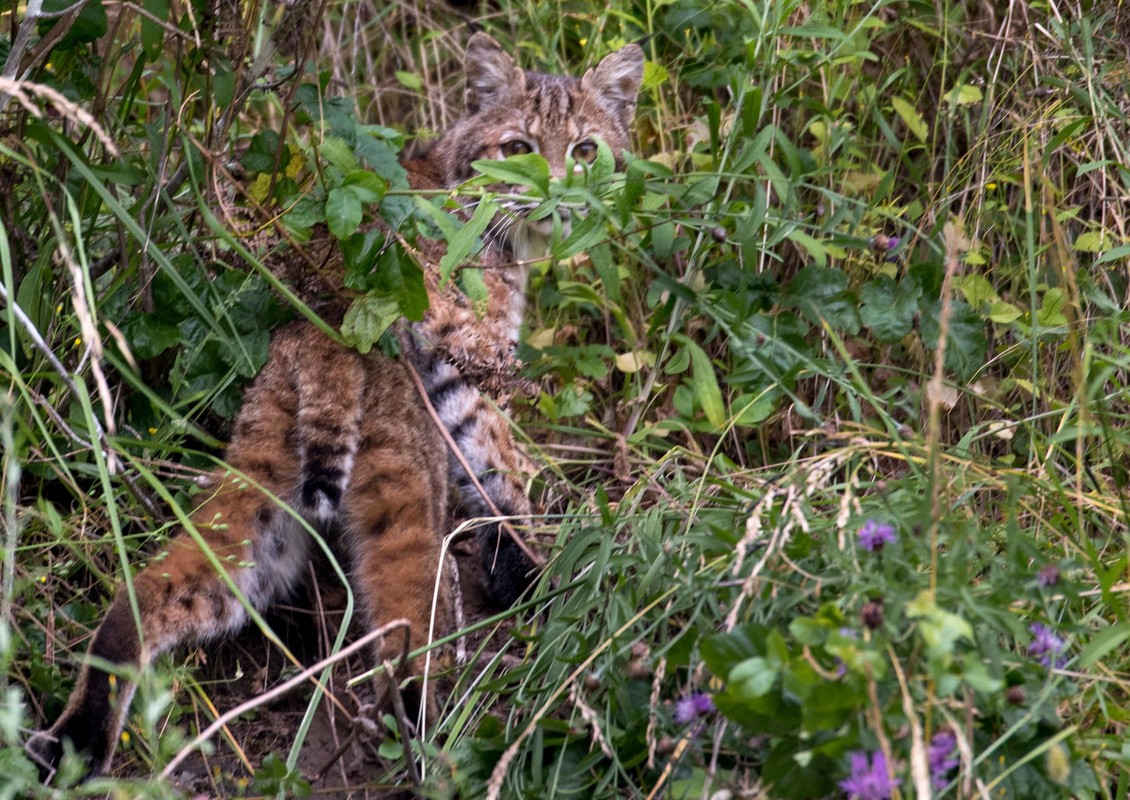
(491, 74)
(615, 82)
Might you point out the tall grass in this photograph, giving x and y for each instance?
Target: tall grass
(867, 273)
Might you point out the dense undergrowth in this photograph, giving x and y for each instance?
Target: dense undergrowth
(832, 412)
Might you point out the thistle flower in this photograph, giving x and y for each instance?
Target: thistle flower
(693, 706)
(1047, 646)
(942, 745)
(1048, 575)
(873, 535)
(869, 779)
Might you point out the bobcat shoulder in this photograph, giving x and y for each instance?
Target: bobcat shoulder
(345, 442)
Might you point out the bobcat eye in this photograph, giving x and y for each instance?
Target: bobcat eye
(515, 147)
(584, 151)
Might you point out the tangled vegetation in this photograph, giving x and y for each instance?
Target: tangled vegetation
(831, 408)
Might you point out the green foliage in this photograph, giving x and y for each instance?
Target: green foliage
(734, 343)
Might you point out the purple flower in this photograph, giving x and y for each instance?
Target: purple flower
(1046, 646)
(1048, 575)
(869, 781)
(693, 706)
(938, 754)
(873, 535)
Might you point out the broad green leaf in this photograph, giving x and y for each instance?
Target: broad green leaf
(528, 170)
(705, 384)
(910, 116)
(153, 33)
(1093, 242)
(148, 336)
(967, 344)
(976, 289)
(409, 80)
(654, 74)
(813, 247)
(752, 678)
(338, 153)
(964, 94)
(367, 319)
(1004, 313)
(822, 296)
(368, 187)
(343, 212)
(888, 308)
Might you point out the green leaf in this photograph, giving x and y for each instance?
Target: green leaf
(705, 384)
(343, 212)
(822, 296)
(654, 74)
(152, 33)
(368, 187)
(967, 344)
(409, 80)
(964, 94)
(360, 252)
(90, 25)
(976, 290)
(815, 248)
(889, 308)
(1093, 242)
(338, 153)
(752, 678)
(148, 336)
(463, 241)
(528, 170)
(910, 116)
(367, 320)
(1102, 644)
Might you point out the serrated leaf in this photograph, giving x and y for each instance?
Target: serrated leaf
(910, 116)
(338, 153)
(343, 212)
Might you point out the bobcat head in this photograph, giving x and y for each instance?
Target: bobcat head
(511, 111)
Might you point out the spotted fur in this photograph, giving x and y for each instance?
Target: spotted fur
(345, 442)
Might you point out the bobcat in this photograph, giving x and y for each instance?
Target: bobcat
(346, 440)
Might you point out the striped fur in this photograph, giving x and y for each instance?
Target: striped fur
(344, 440)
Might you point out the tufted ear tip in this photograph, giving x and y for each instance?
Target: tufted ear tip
(491, 73)
(616, 80)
